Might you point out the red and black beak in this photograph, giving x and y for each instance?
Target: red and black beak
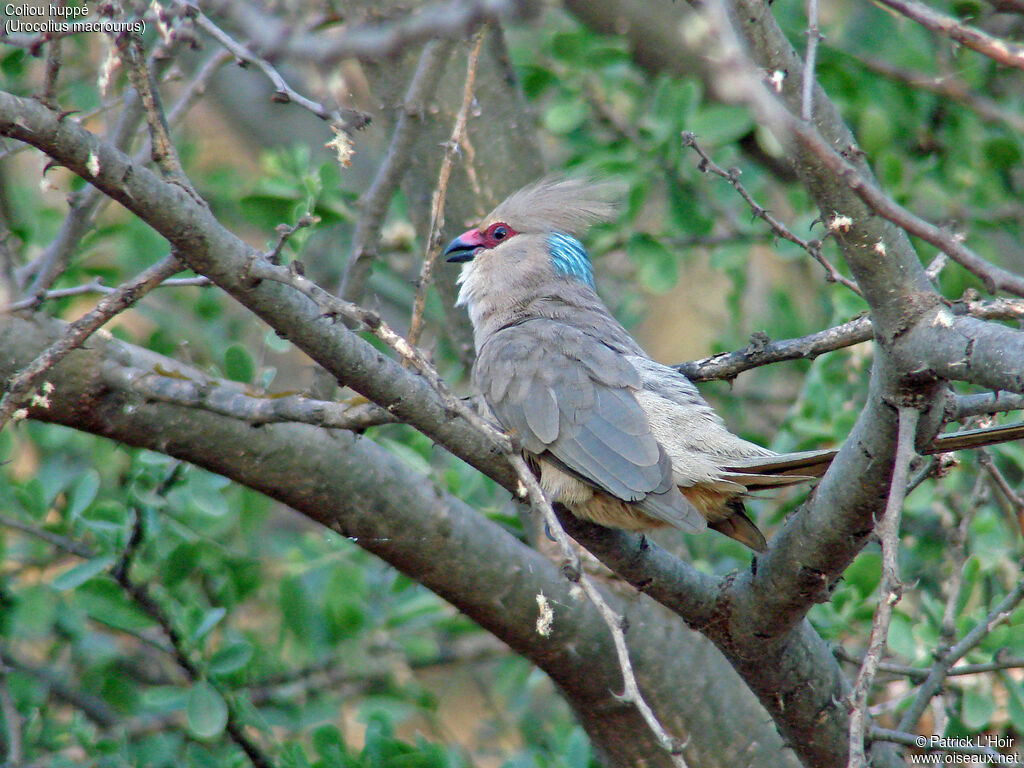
(465, 246)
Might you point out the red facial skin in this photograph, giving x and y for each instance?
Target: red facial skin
(471, 242)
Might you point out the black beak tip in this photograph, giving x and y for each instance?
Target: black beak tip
(459, 255)
(459, 250)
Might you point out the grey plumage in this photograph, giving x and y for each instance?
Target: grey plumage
(616, 437)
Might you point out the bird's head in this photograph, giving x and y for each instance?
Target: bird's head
(531, 238)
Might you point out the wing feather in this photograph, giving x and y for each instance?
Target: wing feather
(570, 397)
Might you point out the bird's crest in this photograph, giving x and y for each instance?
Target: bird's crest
(558, 204)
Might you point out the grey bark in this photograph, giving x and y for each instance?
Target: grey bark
(364, 492)
(756, 618)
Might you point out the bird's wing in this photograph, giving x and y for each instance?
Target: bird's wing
(566, 394)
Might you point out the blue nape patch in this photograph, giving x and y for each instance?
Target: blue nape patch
(570, 257)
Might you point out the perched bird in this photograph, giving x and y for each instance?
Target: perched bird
(617, 438)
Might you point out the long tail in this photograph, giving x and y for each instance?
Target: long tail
(764, 472)
(975, 438)
(758, 472)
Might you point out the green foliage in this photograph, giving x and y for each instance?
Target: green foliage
(321, 651)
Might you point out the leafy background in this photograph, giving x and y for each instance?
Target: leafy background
(334, 657)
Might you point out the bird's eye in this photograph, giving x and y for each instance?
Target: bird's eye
(497, 233)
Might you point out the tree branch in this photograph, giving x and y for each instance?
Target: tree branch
(374, 203)
(442, 21)
(368, 495)
(1006, 53)
(19, 385)
(890, 589)
(938, 672)
(456, 143)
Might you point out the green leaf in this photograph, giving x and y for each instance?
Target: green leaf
(295, 756)
(209, 621)
(231, 658)
(864, 573)
(656, 264)
(565, 117)
(32, 499)
(106, 602)
(901, 637)
(716, 124)
(82, 494)
(180, 563)
(1015, 702)
(206, 712)
(165, 698)
(577, 749)
(329, 744)
(13, 64)
(81, 573)
(1002, 153)
(976, 709)
(238, 364)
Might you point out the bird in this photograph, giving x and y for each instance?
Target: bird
(615, 437)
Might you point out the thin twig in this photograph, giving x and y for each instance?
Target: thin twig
(19, 385)
(890, 589)
(745, 86)
(531, 490)
(163, 152)
(921, 673)
(728, 365)
(285, 232)
(940, 669)
(283, 92)
(95, 286)
(813, 247)
(447, 20)
(142, 596)
(949, 87)
(57, 686)
(12, 720)
(374, 203)
(85, 204)
(54, 60)
(1003, 51)
(61, 542)
(1015, 500)
(813, 38)
(452, 147)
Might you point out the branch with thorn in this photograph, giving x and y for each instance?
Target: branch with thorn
(453, 146)
(728, 365)
(947, 658)
(812, 247)
(1002, 51)
(20, 385)
(890, 589)
(373, 205)
(345, 120)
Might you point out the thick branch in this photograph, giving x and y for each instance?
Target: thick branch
(368, 495)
